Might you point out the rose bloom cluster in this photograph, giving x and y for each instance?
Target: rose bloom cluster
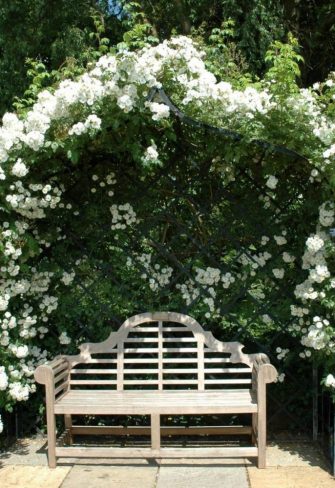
(317, 332)
(204, 286)
(157, 275)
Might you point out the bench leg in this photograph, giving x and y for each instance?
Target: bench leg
(254, 429)
(261, 440)
(68, 427)
(155, 432)
(51, 429)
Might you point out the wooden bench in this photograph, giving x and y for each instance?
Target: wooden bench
(160, 363)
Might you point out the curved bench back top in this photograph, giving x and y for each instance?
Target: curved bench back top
(161, 350)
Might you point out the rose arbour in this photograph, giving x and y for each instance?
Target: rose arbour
(111, 106)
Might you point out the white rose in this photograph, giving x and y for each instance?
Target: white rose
(19, 169)
(330, 381)
(22, 352)
(272, 182)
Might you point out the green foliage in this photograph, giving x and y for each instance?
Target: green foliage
(235, 34)
(55, 33)
(284, 71)
(40, 78)
(138, 37)
(39, 75)
(223, 57)
(258, 23)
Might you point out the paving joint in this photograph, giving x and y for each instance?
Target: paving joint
(248, 476)
(67, 474)
(157, 474)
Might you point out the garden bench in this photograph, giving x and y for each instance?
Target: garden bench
(160, 363)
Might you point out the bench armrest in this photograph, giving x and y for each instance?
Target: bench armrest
(262, 373)
(55, 376)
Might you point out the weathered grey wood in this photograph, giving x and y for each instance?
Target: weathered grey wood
(164, 397)
(254, 428)
(160, 355)
(201, 365)
(165, 431)
(62, 367)
(45, 375)
(120, 365)
(93, 382)
(68, 427)
(93, 371)
(266, 374)
(194, 377)
(155, 432)
(61, 376)
(164, 452)
(62, 387)
(234, 348)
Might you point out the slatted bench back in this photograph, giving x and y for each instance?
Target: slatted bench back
(163, 350)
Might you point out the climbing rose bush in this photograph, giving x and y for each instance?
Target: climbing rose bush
(117, 93)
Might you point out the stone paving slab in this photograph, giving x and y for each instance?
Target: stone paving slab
(219, 462)
(32, 476)
(290, 477)
(111, 477)
(201, 477)
(29, 451)
(32, 452)
(290, 465)
(295, 454)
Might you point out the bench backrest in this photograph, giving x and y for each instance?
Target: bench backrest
(162, 350)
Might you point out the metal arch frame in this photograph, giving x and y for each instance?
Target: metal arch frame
(235, 136)
(223, 132)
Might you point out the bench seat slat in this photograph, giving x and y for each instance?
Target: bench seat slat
(242, 392)
(157, 401)
(165, 381)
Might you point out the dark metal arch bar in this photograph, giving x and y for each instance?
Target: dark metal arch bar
(218, 130)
